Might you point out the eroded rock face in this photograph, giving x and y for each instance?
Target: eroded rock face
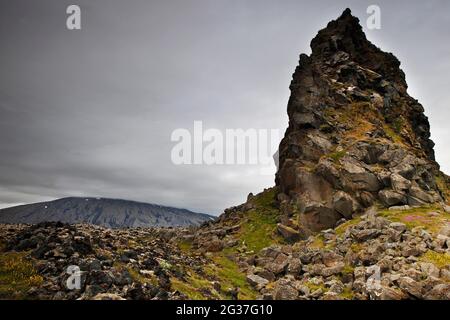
(355, 136)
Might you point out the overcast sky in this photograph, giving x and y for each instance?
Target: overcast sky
(90, 112)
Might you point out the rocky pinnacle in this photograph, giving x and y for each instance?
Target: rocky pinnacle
(355, 136)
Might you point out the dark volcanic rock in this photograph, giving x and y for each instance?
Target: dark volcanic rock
(355, 136)
(151, 261)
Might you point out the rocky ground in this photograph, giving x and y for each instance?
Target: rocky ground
(360, 208)
(372, 257)
(396, 253)
(243, 255)
(128, 263)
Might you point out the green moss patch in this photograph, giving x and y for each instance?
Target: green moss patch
(135, 275)
(314, 287)
(419, 217)
(393, 135)
(440, 260)
(348, 269)
(398, 124)
(17, 275)
(230, 277)
(318, 243)
(340, 230)
(259, 224)
(346, 294)
(336, 156)
(185, 246)
(356, 247)
(191, 287)
(223, 270)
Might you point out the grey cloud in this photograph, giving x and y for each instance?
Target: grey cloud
(90, 112)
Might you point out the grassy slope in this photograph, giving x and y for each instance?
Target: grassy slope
(257, 232)
(17, 275)
(430, 218)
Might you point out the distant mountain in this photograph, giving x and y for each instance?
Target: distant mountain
(111, 213)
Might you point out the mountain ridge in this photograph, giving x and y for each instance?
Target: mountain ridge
(107, 212)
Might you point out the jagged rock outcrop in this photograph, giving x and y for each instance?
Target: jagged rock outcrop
(355, 136)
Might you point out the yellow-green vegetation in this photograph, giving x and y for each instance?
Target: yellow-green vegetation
(362, 115)
(258, 225)
(314, 287)
(431, 218)
(338, 155)
(185, 246)
(223, 270)
(440, 260)
(346, 294)
(135, 275)
(360, 130)
(318, 243)
(132, 244)
(257, 231)
(229, 275)
(192, 287)
(165, 265)
(398, 124)
(340, 230)
(357, 115)
(265, 199)
(17, 275)
(348, 269)
(391, 133)
(356, 247)
(357, 109)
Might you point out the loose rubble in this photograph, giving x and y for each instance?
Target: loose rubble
(372, 259)
(113, 263)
